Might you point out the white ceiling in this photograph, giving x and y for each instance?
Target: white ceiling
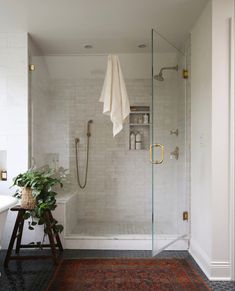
(64, 26)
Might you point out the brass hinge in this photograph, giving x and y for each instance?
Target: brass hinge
(31, 67)
(185, 74)
(185, 215)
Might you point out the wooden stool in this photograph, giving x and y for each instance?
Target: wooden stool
(17, 234)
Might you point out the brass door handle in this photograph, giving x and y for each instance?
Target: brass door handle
(156, 145)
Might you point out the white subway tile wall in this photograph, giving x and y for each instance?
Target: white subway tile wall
(118, 190)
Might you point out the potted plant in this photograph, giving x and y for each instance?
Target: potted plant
(37, 193)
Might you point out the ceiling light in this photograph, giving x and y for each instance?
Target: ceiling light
(142, 45)
(88, 46)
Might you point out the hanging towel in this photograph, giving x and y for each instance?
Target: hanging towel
(114, 95)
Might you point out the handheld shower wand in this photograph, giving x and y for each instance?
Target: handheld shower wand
(88, 128)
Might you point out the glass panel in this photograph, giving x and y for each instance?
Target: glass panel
(169, 132)
(116, 202)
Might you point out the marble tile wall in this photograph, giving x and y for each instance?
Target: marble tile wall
(118, 187)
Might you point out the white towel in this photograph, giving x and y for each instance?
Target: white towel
(114, 95)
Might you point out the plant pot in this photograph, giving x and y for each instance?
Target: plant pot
(27, 199)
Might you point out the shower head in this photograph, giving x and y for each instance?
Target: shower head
(159, 77)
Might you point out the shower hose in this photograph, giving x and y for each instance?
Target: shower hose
(82, 186)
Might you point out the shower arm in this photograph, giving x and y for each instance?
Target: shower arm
(168, 68)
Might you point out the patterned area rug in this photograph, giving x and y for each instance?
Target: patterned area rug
(126, 274)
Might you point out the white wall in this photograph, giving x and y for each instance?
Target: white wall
(201, 93)
(13, 110)
(221, 12)
(39, 81)
(14, 104)
(210, 127)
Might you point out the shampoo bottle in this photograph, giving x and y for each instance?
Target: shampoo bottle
(132, 141)
(138, 141)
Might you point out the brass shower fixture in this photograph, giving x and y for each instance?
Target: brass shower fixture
(175, 153)
(174, 131)
(31, 67)
(185, 74)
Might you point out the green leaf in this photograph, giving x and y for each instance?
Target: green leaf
(59, 228)
(42, 182)
(26, 215)
(41, 221)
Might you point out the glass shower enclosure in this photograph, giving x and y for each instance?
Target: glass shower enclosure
(134, 198)
(168, 148)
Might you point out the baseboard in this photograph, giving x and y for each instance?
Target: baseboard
(215, 271)
(122, 243)
(220, 271)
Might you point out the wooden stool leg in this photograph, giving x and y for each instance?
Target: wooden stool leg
(50, 236)
(19, 237)
(13, 236)
(56, 233)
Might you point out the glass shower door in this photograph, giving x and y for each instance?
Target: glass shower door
(168, 148)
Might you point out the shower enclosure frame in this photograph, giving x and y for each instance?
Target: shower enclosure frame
(135, 240)
(155, 143)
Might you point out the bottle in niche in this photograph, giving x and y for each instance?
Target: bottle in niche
(132, 141)
(146, 118)
(135, 119)
(138, 141)
(4, 175)
(140, 119)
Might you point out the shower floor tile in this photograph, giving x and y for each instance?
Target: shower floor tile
(91, 228)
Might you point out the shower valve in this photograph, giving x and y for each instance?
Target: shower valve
(176, 132)
(175, 153)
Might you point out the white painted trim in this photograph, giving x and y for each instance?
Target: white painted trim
(200, 257)
(220, 271)
(231, 151)
(214, 271)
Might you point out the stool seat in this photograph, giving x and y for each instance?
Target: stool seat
(17, 235)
